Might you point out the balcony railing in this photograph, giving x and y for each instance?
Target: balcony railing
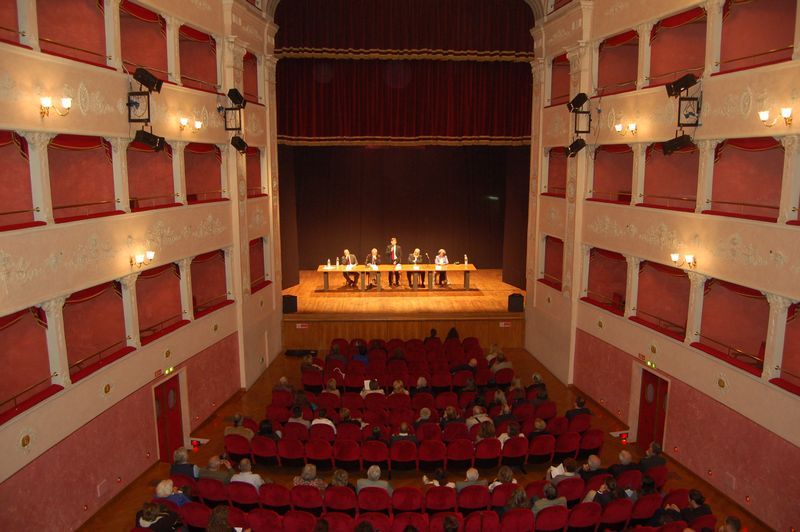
(146, 67)
(205, 195)
(12, 30)
(151, 201)
(22, 211)
(96, 357)
(200, 307)
(76, 48)
(159, 326)
(25, 394)
(671, 201)
(754, 56)
(616, 304)
(556, 191)
(675, 73)
(662, 322)
(740, 207)
(733, 352)
(215, 86)
(621, 196)
(255, 191)
(614, 86)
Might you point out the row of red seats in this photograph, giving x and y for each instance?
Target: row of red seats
(429, 344)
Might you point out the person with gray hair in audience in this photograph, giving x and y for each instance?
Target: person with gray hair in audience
(246, 474)
(472, 479)
(625, 463)
(308, 477)
(167, 490)
(217, 469)
(550, 498)
(239, 428)
(592, 468)
(181, 466)
(373, 480)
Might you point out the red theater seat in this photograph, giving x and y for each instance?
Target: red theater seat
(518, 520)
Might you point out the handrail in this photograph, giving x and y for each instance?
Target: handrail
(665, 74)
(551, 278)
(99, 355)
(141, 198)
(753, 56)
(735, 352)
(35, 209)
(742, 204)
(159, 325)
(597, 295)
(561, 189)
(25, 391)
(146, 67)
(83, 204)
(257, 280)
(662, 321)
(681, 198)
(194, 196)
(92, 52)
(13, 30)
(600, 90)
(202, 82)
(211, 302)
(611, 195)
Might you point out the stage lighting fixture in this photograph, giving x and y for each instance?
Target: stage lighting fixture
(148, 139)
(239, 143)
(148, 80)
(575, 147)
(677, 143)
(577, 102)
(681, 84)
(236, 98)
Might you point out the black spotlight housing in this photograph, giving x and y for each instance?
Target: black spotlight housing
(675, 144)
(236, 98)
(239, 143)
(577, 102)
(575, 147)
(148, 80)
(684, 83)
(148, 139)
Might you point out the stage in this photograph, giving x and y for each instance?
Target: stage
(402, 312)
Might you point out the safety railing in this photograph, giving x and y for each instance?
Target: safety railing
(675, 73)
(204, 195)
(670, 201)
(755, 56)
(84, 208)
(25, 394)
(603, 298)
(139, 202)
(204, 83)
(73, 47)
(733, 352)
(200, 307)
(662, 322)
(96, 357)
(160, 326)
(620, 196)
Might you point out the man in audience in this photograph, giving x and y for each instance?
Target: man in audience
(181, 465)
(501, 362)
(625, 463)
(605, 493)
(421, 387)
(239, 428)
(322, 419)
(153, 516)
(246, 474)
(478, 416)
(550, 499)
(373, 480)
(652, 457)
(283, 386)
(732, 524)
(538, 383)
(404, 435)
(472, 479)
(336, 354)
(697, 508)
(505, 415)
(592, 468)
(424, 417)
(217, 469)
(580, 408)
(570, 471)
(450, 416)
(346, 419)
(472, 366)
(539, 428)
(372, 386)
(297, 417)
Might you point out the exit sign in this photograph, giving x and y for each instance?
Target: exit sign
(301, 326)
(505, 324)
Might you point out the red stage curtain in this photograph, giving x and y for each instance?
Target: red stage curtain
(9, 137)
(81, 142)
(488, 30)
(675, 21)
(422, 102)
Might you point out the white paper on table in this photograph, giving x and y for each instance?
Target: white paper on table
(416, 267)
(374, 267)
(398, 266)
(348, 267)
(439, 267)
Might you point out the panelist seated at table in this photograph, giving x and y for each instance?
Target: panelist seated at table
(373, 259)
(441, 260)
(394, 253)
(349, 259)
(416, 258)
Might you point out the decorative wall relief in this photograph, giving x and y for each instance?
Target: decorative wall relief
(617, 8)
(89, 102)
(662, 237)
(201, 5)
(253, 125)
(8, 88)
(733, 249)
(605, 225)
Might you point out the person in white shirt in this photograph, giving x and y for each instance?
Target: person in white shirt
(372, 386)
(441, 260)
(478, 416)
(512, 432)
(504, 476)
(322, 419)
(246, 474)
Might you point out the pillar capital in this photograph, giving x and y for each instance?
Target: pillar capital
(129, 281)
(39, 139)
(53, 307)
(697, 279)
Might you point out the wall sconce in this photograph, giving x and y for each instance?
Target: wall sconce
(687, 260)
(198, 124)
(620, 129)
(46, 103)
(143, 259)
(786, 114)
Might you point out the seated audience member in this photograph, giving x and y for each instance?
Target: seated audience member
(652, 458)
(363, 526)
(625, 463)
(648, 488)
(376, 434)
(505, 415)
(323, 419)
(336, 354)
(580, 408)
(399, 388)
(346, 418)
(501, 362)
(308, 364)
(308, 477)
(449, 524)
(697, 508)
(570, 471)
(218, 469)
(330, 387)
(517, 499)
(731, 524)
(424, 417)
(181, 466)
(341, 479)
(504, 476)
(550, 498)
(398, 354)
(472, 366)
(592, 468)
(297, 417)
(452, 334)
(239, 428)
(361, 356)
(498, 398)
(605, 493)
(494, 350)
(541, 397)
(537, 383)
(472, 479)
(157, 518)
(246, 474)
(283, 386)
(438, 478)
(433, 335)
(265, 429)
(485, 431)
(511, 432)
(167, 490)
(516, 392)
(469, 385)
(421, 387)
(219, 520)
(478, 416)
(301, 400)
(539, 428)
(372, 386)
(404, 434)
(450, 416)
(373, 480)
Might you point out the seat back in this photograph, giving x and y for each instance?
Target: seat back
(260, 520)
(322, 432)
(407, 499)
(237, 444)
(296, 520)
(210, 490)
(378, 521)
(617, 512)
(455, 431)
(307, 498)
(480, 521)
(429, 431)
(340, 499)
(414, 519)
(552, 518)
(474, 498)
(646, 506)
(706, 521)
(294, 431)
(501, 493)
(547, 410)
(242, 493)
(518, 520)
(339, 522)
(630, 479)
(195, 514)
(580, 423)
(440, 499)
(348, 431)
(274, 496)
(571, 489)
(658, 474)
(374, 500)
(437, 521)
(515, 447)
(585, 515)
(679, 497)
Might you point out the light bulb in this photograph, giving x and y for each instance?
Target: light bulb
(198, 124)
(139, 259)
(763, 116)
(66, 103)
(46, 102)
(618, 128)
(150, 255)
(675, 256)
(786, 112)
(632, 127)
(184, 122)
(689, 259)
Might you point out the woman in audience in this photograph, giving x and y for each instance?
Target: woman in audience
(265, 429)
(512, 432)
(297, 417)
(517, 499)
(341, 479)
(309, 478)
(494, 350)
(398, 387)
(346, 419)
(421, 387)
(516, 392)
(166, 490)
(372, 386)
(485, 431)
(157, 518)
(498, 399)
(330, 387)
(539, 429)
(438, 478)
(424, 417)
(605, 493)
(504, 476)
(219, 520)
(452, 334)
(450, 416)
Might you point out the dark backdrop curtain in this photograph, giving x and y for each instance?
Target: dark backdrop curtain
(429, 197)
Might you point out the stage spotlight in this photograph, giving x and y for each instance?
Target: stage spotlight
(236, 98)
(577, 102)
(677, 143)
(681, 84)
(148, 139)
(575, 147)
(148, 80)
(239, 143)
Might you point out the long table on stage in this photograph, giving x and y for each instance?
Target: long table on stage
(365, 270)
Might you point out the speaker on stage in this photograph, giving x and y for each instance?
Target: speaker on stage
(290, 304)
(516, 303)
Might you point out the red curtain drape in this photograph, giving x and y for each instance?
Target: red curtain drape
(207, 257)
(661, 268)
(488, 30)
(605, 254)
(199, 147)
(561, 60)
(90, 293)
(81, 142)
(253, 151)
(676, 21)
(191, 34)
(619, 40)
(424, 102)
(751, 144)
(138, 146)
(660, 147)
(155, 272)
(141, 13)
(615, 148)
(741, 290)
(9, 137)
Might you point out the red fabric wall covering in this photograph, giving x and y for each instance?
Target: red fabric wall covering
(559, 80)
(607, 280)
(553, 261)
(159, 301)
(664, 294)
(78, 23)
(15, 192)
(212, 377)
(8, 19)
(23, 352)
(150, 179)
(203, 173)
(80, 174)
(256, 261)
(208, 280)
(755, 27)
(671, 180)
(557, 172)
(198, 59)
(478, 29)
(144, 40)
(618, 64)
(421, 102)
(253, 161)
(613, 174)
(678, 49)
(94, 327)
(603, 372)
(250, 77)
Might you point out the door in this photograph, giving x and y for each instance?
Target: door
(169, 421)
(652, 409)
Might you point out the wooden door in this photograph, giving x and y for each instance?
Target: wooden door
(168, 418)
(652, 409)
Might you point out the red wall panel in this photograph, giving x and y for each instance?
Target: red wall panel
(557, 173)
(208, 281)
(78, 23)
(617, 68)
(143, 44)
(159, 299)
(559, 87)
(677, 50)
(672, 177)
(663, 295)
(15, 192)
(198, 61)
(757, 26)
(613, 174)
(213, 377)
(96, 326)
(791, 351)
(256, 260)
(150, 176)
(603, 372)
(553, 259)
(254, 173)
(735, 320)
(203, 175)
(8, 19)
(744, 176)
(607, 279)
(23, 352)
(78, 177)
(250, 78)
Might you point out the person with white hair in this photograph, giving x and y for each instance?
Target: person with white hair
(218, 469)
(238, 428)
(421, 387)
(592, 468)
(472, 479)
(308, 477)
(181, 466)
(373, 480)
(625, 463)
(166, 490)
(478, 416)
(441, 260)
(246, 474)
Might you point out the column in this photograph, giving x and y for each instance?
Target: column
(586, 254)
(643, 70)
(218, 42)
(595, 51)
(705, 174)
(639, 161)
(695, 314)
(28, 22)
(776, 333)
(113, 38)
(119, 160)
(56, 341)
(590, 150)
(185, 266)
(796, 50)
(790, 185)
(544, 173)
(229, 269)
(260, 77)
(713, 36)
(39, 165)
(173, 49)
(178, 171)
(223, 184)
(130, 308)
(632, 285)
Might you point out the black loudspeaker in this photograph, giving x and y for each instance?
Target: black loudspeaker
(516, 303)
(289, 304)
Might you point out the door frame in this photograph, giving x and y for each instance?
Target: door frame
(179, 374)
(635, 396)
